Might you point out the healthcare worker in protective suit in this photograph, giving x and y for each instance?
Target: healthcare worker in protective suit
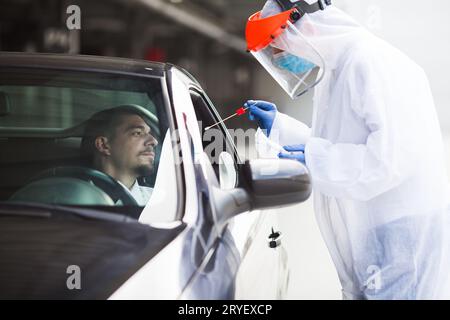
(374, 152)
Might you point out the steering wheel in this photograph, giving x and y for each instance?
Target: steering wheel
(101, 180)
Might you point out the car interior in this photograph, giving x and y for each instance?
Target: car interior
(40, 148)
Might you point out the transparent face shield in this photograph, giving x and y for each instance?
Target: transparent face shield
(292, 61)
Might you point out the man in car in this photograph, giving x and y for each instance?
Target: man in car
(119, 142)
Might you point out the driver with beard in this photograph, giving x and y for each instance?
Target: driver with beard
(119, 142)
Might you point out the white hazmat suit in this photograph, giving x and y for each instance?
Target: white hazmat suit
(375, 155)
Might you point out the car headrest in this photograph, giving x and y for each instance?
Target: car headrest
(5, 105)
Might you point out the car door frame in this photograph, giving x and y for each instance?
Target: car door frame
(254, 219)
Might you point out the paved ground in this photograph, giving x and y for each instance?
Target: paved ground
(312, 273)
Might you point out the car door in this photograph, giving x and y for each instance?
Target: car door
(223, 253)
(72, 250)
(202, 262)
(262, 271)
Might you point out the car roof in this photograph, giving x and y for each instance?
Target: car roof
(84, 63)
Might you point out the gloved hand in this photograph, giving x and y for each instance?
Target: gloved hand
(263, 112)
(295, 152)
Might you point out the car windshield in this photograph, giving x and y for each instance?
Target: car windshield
(80, 138)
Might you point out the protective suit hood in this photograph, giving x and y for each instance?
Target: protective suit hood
(331, 31)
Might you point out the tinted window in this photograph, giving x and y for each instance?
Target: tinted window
(44, 117)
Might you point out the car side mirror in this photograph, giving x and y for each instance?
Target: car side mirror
(263, 183)
(273, 183)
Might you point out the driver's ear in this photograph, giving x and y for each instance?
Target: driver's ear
(102, 145)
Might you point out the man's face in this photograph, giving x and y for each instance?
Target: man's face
(132, 146)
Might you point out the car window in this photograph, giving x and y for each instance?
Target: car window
(67, 138)
(215, 140)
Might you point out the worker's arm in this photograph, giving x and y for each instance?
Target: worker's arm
(285, 130)
(280, 128)
(289, 131)
(387, 158)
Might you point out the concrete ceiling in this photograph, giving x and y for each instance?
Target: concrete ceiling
(222, 21)
(231, 14)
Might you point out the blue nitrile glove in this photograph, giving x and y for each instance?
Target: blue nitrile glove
(262, 111)
(295, 152)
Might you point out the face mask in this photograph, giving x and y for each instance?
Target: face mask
(292, 63)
